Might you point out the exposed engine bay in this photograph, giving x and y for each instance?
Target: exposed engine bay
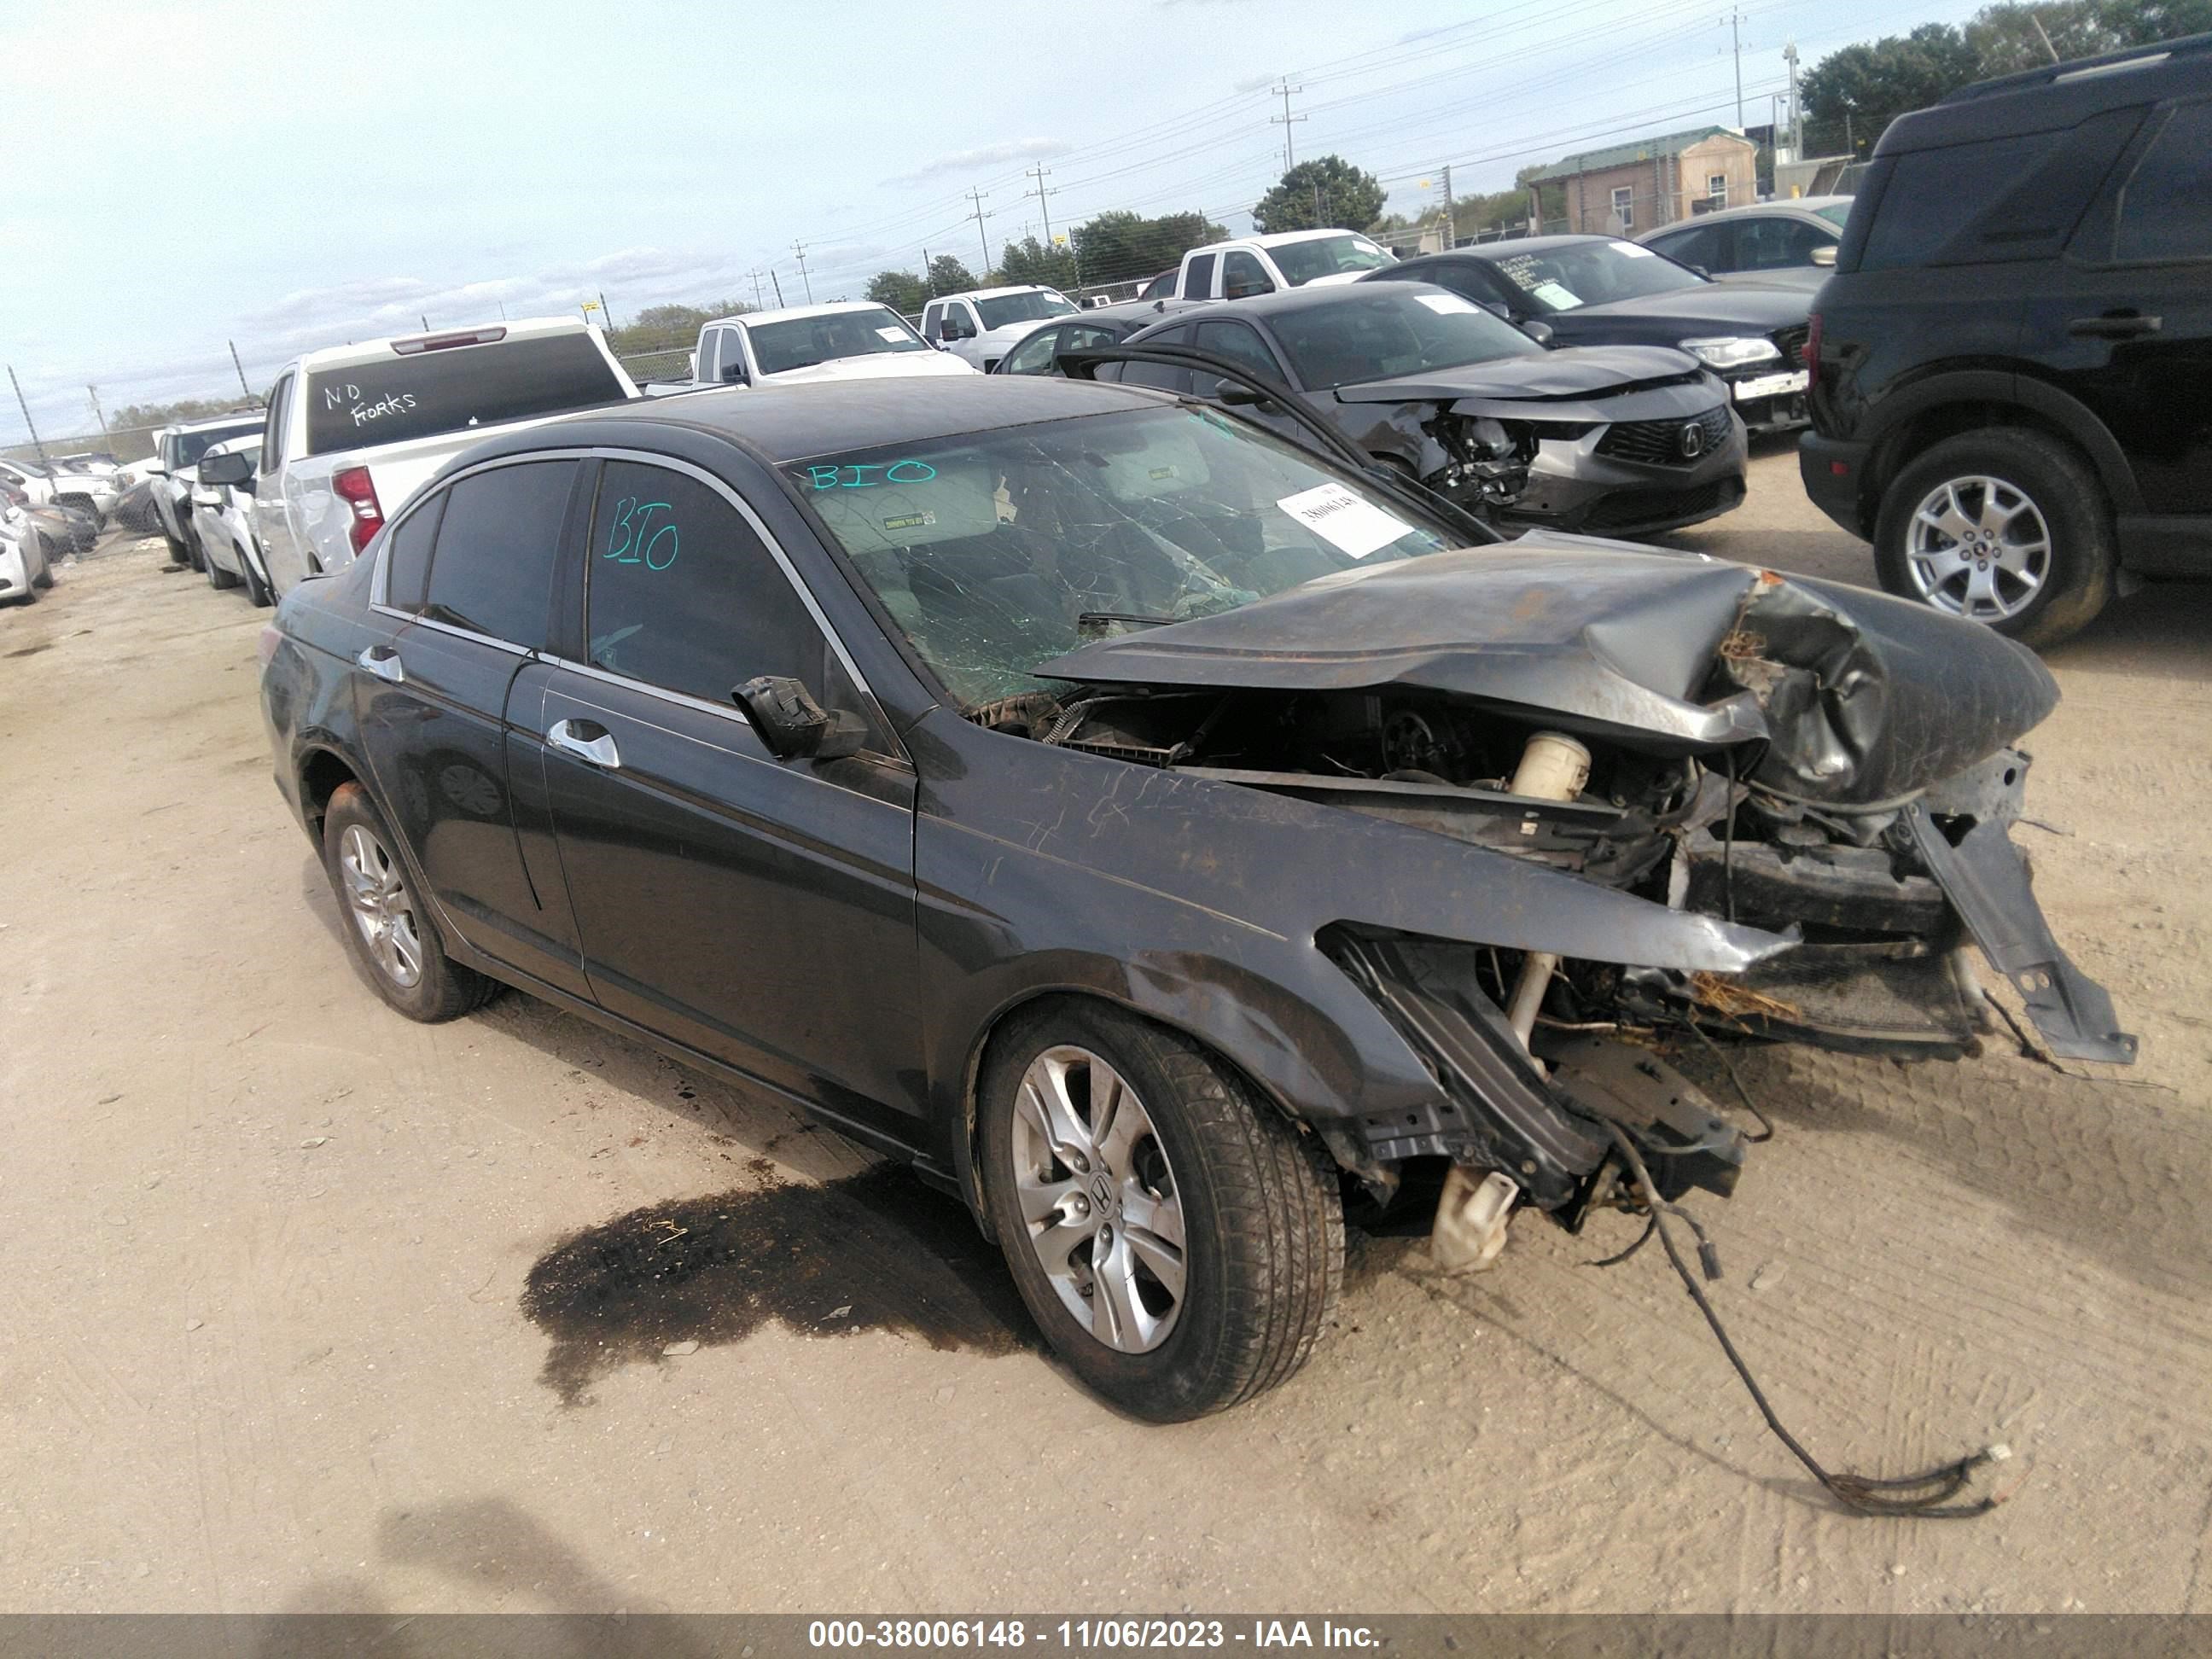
(1715, 741)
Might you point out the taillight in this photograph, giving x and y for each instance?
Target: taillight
(1812, 352)
(357, 489)
(271, 637)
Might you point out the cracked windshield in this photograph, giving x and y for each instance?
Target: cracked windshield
(998, 552)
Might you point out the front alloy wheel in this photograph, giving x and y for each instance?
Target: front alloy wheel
(1099, 1199)
(1979, 549)
(381, 905)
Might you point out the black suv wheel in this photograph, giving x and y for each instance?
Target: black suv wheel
(2005, 526)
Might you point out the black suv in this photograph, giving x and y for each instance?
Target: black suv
(2012, 366)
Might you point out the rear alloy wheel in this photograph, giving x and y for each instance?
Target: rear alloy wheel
(2005, 527)
(1179, 1243)
(389, 932)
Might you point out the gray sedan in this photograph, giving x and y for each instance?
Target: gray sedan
(1790, 244)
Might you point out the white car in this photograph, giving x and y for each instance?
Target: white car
(354, 430)
(222, 527)
(24, 556)
(47, 487)
(1250, 266)
(177, 452)
(850, 340)
(982, 326)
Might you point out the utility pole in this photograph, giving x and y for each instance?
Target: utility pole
(1735, 34)
(1451, 225)
(799, 248)
(1796, 110)
(1284, 90)
(776, 283)
(2046, 33)
(979, 215)
(240, 368)
(1040, 173)
(27, 425)
(93, 392)
(759, 304)
(606, 317)
(928, 287)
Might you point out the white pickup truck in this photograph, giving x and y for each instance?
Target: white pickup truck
(846, 340)
(353, 431)
(1250, 266)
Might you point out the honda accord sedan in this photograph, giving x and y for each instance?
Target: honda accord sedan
(1151, 832)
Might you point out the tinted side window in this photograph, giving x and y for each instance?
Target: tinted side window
(1243, 276)
(1776, 244)
(1034, 356)
(272, 431)
(1708, 245)
(407, 556)
(1198, 279)
(1474, 280)
(1159, 374)
(493, 568)
(685, 596)
(2165, 206)
(710, 354)
(1240, 345)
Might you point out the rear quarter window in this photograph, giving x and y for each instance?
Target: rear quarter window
(428, 394)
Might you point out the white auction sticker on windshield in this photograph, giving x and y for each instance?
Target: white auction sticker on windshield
(1559, 299)
(1634, 251)
(1341, 518)
(894, 335)
(1445, 302)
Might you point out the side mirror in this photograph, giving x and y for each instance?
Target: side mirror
(734, 374)
(1825, 255)
(1236, 395)
(793, 725)
(1541, 332)
(231, 469)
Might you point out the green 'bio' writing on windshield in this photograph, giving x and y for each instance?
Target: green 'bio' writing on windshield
(898, 472)
(642, 542)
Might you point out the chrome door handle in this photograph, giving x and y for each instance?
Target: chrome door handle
(600, 751)
(382, 661)
(2115, 325)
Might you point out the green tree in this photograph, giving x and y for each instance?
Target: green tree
(2004, 38)
(1122, 247)
(1324, 191)
(948, 275)
(902, 290)
(1031, 261)
(667, 327)
(1852, 95)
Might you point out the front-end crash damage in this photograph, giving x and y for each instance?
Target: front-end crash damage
(1608, 439)
(1788, 816)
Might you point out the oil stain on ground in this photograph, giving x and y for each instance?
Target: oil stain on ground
(876, 1251)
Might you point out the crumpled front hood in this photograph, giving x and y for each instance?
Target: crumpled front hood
(1862, 697)
(1574, 372)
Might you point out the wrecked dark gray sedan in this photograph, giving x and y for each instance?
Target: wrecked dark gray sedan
(1625, 440)
(1157, 835)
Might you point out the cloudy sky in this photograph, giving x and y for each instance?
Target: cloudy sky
(174, 177)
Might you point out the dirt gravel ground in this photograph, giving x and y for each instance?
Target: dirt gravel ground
(311, 1309)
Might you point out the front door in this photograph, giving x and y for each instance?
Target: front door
(759, 911)
(467, 584)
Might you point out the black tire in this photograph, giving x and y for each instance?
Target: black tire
(45, 576)
(442, 989)
(179, 553)
(2079, 579)
(218, 577)
(1262, 1221)
(256, 591)
(193, 556)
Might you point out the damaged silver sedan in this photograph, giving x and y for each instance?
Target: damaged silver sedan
(1161, 837)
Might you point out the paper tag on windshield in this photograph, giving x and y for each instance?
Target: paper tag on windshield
(894, 335)
(1445, 302)
(1342, 520)
(1557, 298)
(1634, 250)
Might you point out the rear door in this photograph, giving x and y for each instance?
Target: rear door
(2129, 324)
(759, 911)
(275, 523)
(463, 593)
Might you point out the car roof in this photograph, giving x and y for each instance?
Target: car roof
(1281, 238)
(1126, 310)
(1796, 207)
(2054, 96)
(1285, 301)
(793, 313)
(789, 423)
(1491, 251)
(993, 293)
(237, 419)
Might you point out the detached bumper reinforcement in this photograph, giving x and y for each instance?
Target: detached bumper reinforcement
(1988, 884)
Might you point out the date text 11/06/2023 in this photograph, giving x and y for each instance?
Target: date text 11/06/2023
(1089, 1635)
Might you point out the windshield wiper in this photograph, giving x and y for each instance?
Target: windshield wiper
(1098, 619)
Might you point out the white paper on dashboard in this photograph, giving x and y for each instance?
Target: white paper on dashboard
(1342, 520)
(894, 335)
(1636, 253)
(1445, 302)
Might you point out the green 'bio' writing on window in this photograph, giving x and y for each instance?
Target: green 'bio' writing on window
(849, 477)
(640, 541)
